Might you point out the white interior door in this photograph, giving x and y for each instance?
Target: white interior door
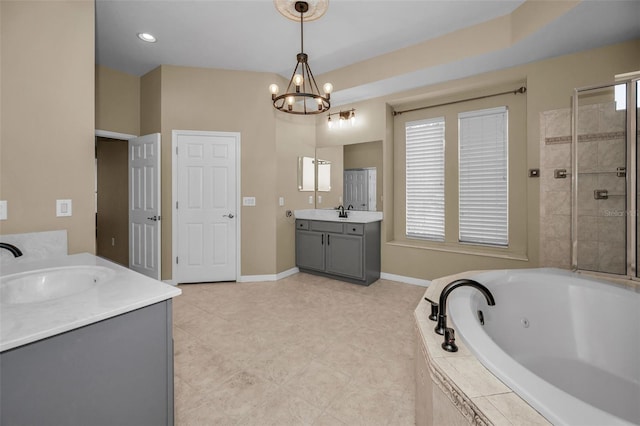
(355, 189)
(144, 205)
(206, 206)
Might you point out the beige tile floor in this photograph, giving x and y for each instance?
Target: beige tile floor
(304, 350)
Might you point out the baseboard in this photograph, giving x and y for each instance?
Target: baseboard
(272, 277)
(289, 272)
(406, 280)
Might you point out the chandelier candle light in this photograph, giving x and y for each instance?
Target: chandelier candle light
(302, 95)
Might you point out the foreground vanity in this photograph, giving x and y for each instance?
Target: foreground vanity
(84, 341)
(346, 249)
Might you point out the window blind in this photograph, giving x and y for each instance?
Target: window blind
(483, 177)
(425, 179)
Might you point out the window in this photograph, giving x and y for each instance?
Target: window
(425, 179)
(483, 173)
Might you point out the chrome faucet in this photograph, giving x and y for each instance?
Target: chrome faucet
(13, 249)
(350, 207)
(341, 212)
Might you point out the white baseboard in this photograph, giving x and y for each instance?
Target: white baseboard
(406, 280)
(272, 277)
(289, 272)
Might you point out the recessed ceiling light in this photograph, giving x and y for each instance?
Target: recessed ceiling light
(147, 37)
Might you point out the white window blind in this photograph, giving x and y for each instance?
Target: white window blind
(483, 173)
(425, 179)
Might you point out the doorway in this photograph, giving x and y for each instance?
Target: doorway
(206, 211)
(112, 214)
(128, 200)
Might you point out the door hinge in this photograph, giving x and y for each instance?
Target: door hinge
(176, 205)
(176, 260)
(176, 150)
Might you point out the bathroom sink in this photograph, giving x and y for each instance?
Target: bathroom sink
(48, 284)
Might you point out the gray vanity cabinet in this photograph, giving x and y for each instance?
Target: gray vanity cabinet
(114, 372)
(342, 250)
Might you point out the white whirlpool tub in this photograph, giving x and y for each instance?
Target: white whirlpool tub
(567, 344)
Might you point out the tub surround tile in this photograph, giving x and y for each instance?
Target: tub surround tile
(510, 406)
(464, 391)
(481, 381)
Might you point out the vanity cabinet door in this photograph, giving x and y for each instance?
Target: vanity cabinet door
(344, 255)
(310, 249)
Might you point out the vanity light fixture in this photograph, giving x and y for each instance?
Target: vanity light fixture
(302, 95)
(149, 38)
(349, 115)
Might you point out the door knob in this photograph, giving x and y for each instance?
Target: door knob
(154, 218)
(230, 215)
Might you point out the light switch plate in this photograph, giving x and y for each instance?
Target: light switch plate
(63, 208)
(3, 209)
(249, 201)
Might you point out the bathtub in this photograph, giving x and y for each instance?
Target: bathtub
(568, 344)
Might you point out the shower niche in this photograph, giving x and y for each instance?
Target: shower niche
(604, 178)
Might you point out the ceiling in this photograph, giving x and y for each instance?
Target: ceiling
(252, 35)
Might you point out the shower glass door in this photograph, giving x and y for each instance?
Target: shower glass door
(600, 211)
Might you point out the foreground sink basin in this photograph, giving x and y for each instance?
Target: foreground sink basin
(48, 284)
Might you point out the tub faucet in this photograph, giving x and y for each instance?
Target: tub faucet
(13, 249)
(441, 327)
(342, 213)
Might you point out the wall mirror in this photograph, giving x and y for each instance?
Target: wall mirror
(323, 175)
(306, 174)
(358, 156)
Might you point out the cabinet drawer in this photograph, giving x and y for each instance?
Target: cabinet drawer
(302, 224)
(335, 227)
(354, 228)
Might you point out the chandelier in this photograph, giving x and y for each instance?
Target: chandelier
(302, 95)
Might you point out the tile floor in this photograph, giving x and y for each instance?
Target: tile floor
(304, 350)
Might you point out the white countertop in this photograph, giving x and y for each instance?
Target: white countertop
(125, 291)
(354, 216)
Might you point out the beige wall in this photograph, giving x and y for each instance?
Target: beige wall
(232, 101)
(117, 101)
(47, 135)
(550, 85)
(48, 123)
(295, 137)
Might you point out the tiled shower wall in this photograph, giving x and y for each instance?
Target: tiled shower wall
(601, 223)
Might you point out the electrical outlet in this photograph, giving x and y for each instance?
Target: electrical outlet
(3, 210)
(310, 199)
(281, 201)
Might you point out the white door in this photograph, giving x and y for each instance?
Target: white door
(144, 205)
(355, 189)
(206, 206)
